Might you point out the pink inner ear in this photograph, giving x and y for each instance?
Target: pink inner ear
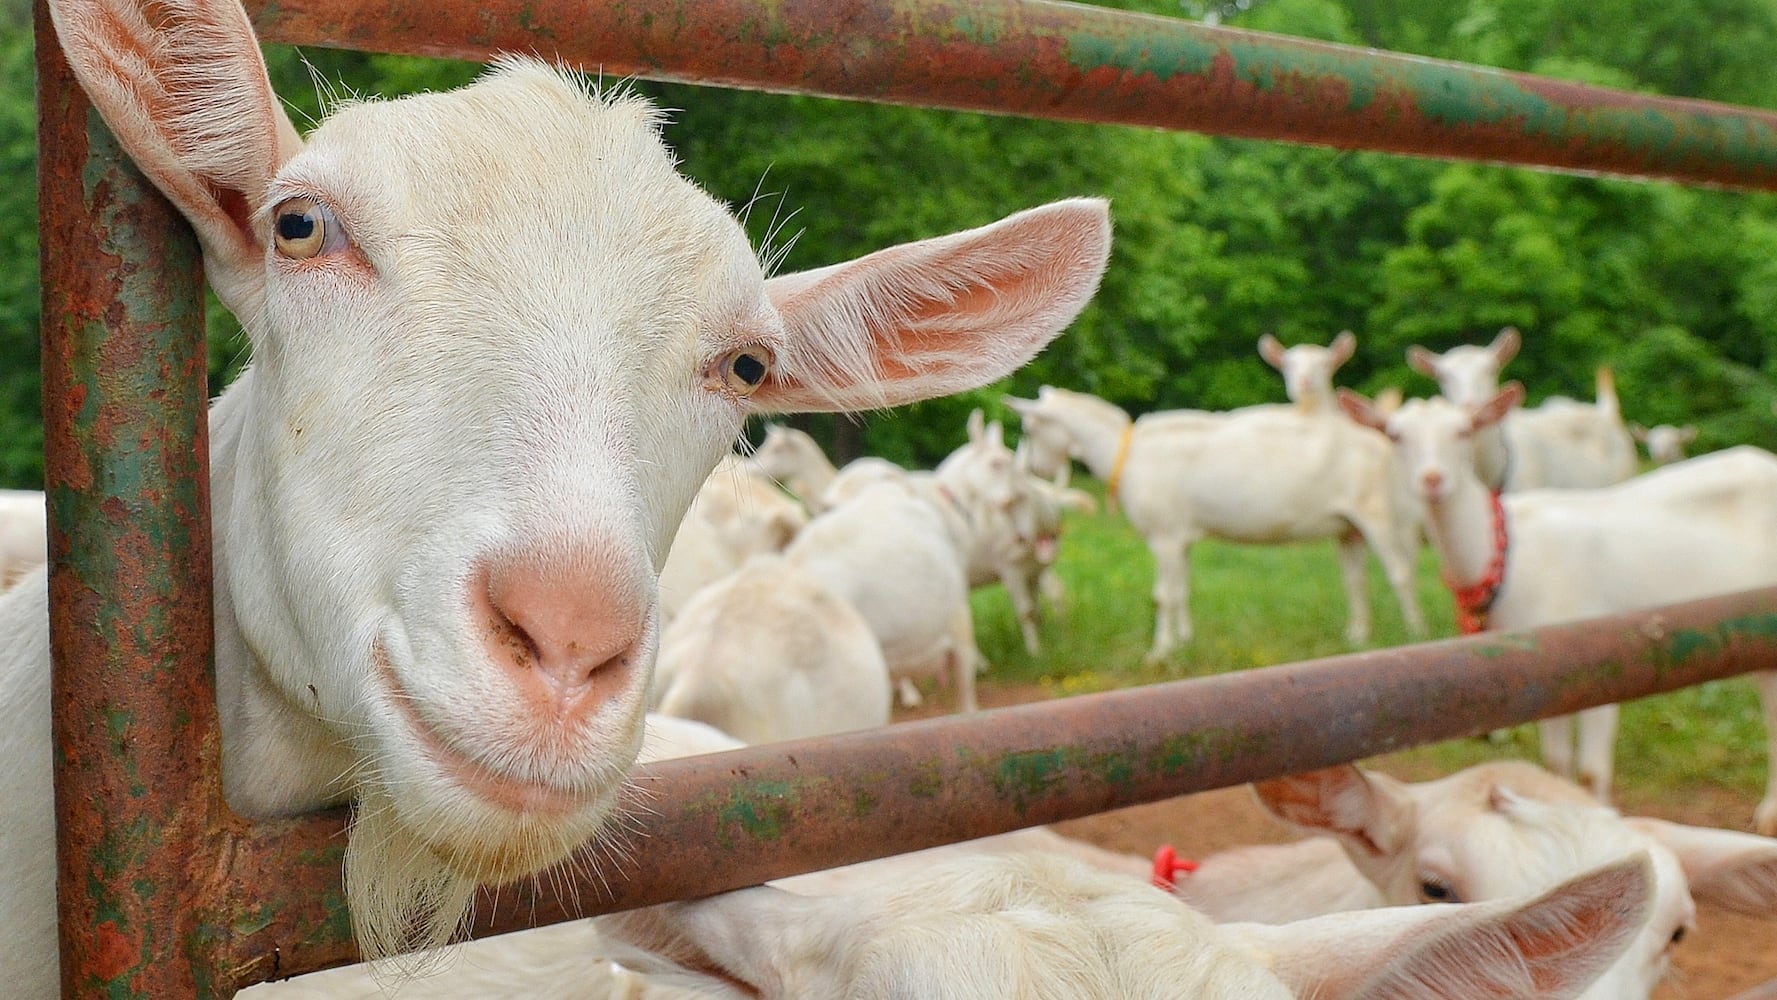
(234, 204)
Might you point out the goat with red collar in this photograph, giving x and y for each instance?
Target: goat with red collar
(1694, 529)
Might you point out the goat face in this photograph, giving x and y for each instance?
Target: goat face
(537, 310)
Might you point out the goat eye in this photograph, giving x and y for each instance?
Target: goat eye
(303, 228)
(1433, 891)
(1677, 935)
(744, 370)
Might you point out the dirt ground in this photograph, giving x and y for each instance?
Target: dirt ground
(1728, 954)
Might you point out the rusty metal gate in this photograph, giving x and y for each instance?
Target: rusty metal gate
(165, 893)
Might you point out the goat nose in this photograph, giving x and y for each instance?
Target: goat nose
(569, 632)
(1432, 480)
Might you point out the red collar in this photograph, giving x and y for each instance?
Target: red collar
(1168, 865)
(1474, 602)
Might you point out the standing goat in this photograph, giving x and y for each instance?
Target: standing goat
(1700, 527)
(1560, 443)
(1263, 476)
(499, 343)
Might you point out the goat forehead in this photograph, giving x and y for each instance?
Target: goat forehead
(520, 162)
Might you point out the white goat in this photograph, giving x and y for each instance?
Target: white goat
(1049, 928)
(1041, 927)
(1558, 444)
(499, 343)
(769, 653)
(794, 459)
(736, 513)
(1665, 443)
(1013, 522)
(891, 551)
(1263, 476)
(1493, 831)
(1700, 527)
(24, 534)
(1308, 369)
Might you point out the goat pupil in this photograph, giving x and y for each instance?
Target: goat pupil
(750, 369)
(295, 226)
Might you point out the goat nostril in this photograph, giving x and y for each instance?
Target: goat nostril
(564, 636)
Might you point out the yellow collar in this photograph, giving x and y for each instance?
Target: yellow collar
(1117, 464)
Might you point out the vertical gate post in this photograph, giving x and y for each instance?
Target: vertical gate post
(127, 480)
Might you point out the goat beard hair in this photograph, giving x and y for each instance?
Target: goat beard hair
(405, 903)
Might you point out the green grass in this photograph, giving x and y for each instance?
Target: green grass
(1255, 606)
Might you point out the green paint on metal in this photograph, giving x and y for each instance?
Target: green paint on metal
(864, 803)
(1029, 776)
(1160, 56)
(252, 920)
(528, 22)
(759, 808)
(1194, 748)
(1683, 644)
(117, 723)
(926, 780)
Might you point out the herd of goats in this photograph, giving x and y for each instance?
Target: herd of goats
(499, 342)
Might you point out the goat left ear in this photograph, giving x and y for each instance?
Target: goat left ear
(1271, 350)
(1343, 347)
(1725, 867)
(1494, 410)
(1363, 411)
(937, 316)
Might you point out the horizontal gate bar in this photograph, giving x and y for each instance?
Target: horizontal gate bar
(724, 821)
(1079, 63)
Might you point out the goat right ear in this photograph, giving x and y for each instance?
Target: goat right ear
(184, 88)
(1553, 946)
(1505, 344)
(977, 425)
(1422, 361)
(1370, 813)
(937, 316)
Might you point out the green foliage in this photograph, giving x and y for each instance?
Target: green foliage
(1218, 241)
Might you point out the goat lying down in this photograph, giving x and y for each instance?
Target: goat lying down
(499, 342)
(1489, 832)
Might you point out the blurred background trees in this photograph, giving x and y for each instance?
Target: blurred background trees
(1218, 241)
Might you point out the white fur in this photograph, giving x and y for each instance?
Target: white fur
(474, 419)
(1263, 476)
(795, 459)
(24, 540)
(1665, 443)
(1560, 444)
(1039, 926)
(769, 653)
(1012, 521)
(1493, 831)
(737, 513)
(892, 552)
(1700, 527)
